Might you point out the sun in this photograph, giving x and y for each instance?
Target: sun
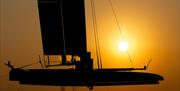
(123, 46)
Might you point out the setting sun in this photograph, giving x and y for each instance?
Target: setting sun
(115, 35)
(123, 46)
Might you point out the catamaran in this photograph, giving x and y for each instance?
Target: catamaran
(63, 31)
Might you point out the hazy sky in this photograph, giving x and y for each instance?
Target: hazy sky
(151, 28)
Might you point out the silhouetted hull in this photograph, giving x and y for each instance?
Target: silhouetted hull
(70, 77)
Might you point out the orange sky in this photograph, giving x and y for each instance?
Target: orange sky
(151, 28)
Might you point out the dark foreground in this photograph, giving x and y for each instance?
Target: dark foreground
(71, 77)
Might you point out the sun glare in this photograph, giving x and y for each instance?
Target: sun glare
(123, 46)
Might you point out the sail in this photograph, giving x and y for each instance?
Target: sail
(62, 26)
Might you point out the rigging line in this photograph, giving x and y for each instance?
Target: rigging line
(96, 35)
(130, 59)
(40, 62)
(29, 65)
(64, 40)
(121, 33)
(98, 45)
(94, 23)
(62, 22)
(117, 23)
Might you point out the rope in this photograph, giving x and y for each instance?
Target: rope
(62, 22)
(29, 65)
(117, 23)
(99, 62)
(130, 59)
(119, 28)
(39, 62)
(64, 40)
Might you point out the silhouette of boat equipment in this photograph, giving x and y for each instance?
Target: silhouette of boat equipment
(64, 33)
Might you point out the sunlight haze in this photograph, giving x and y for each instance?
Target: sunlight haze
(151, 29)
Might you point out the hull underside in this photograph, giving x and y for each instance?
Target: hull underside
(72, 77)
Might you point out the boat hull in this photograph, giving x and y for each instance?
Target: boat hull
(71, 77)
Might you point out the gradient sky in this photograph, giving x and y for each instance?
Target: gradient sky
(151, 28)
